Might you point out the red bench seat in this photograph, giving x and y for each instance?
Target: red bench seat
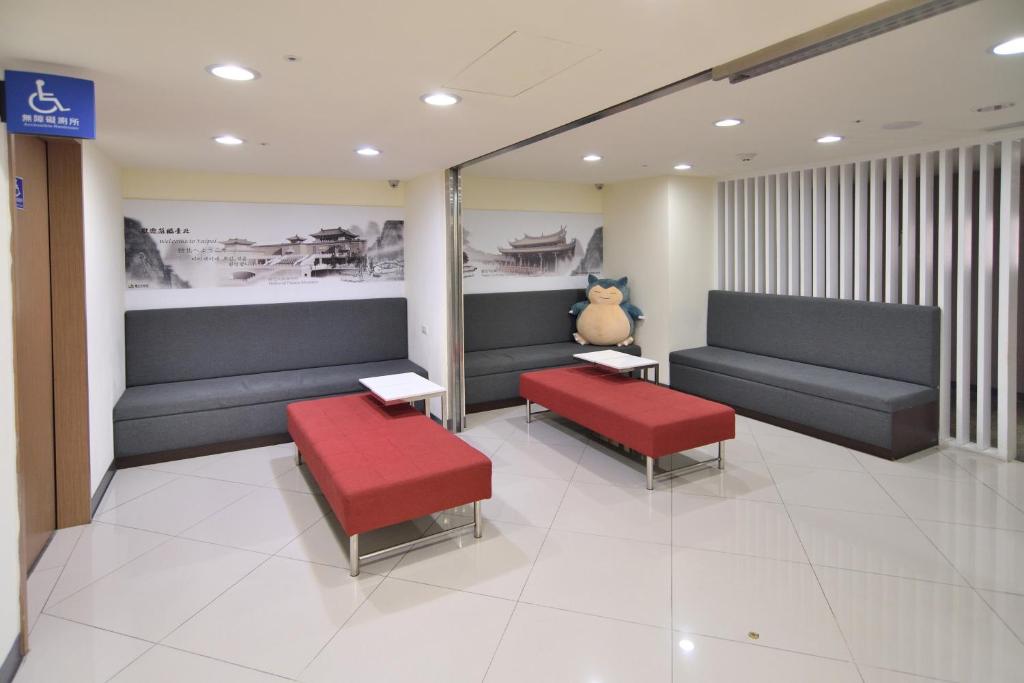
(648, 418)
(381, 465)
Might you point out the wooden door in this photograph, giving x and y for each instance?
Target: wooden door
(33, 346)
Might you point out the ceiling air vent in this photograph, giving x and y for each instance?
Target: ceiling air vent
(868, 23)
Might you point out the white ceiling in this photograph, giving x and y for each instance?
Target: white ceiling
(364, 66)
(937, 71)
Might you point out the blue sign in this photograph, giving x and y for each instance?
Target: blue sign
(19, 192)
(44, 104)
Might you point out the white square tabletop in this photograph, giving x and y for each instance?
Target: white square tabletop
(617, 360)
(401, 388)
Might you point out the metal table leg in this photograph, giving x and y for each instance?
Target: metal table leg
(650, 472)
(353, 555)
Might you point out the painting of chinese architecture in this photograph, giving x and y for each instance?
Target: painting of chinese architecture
(172, 245)
(528, 244)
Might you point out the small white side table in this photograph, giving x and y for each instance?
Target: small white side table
(407, 387)
(622, 362)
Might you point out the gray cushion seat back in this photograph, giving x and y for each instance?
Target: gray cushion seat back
(536, 357)
(217, 393)
(181, 344)
(507, 319)
(895, 341)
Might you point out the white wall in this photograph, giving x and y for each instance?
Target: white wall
(691, 262)
(10, 571)
(104, 300)
(659, 232)
(426, 276)
(635, 245)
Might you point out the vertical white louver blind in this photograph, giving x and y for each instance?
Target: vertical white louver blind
(939, 227)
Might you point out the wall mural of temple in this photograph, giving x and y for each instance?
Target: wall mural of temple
(189, 245)
(519, 250)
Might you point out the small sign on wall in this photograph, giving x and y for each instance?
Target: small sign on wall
(46, 104)
(19, 193)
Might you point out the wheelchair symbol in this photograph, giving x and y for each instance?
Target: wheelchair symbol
(41, 96)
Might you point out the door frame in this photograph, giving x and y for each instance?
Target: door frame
(72, 464)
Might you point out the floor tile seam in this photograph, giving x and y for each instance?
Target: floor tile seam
(222, 661)
(103, 628)
(167, 539)
(675, 630)
(355, 611)
(133, 660)
(526, 581)
(215, 512)
(265, 485)
(64, 566)
(428, 584)
(967, 583)
(174, 478)
(889, 575)
(1018, 636)
(935, 546)
(1000, 494)
(817, 578)
(217, 597)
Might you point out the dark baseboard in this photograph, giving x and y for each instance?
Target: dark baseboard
(101, 490)
(908, 434)
(197, 451)
(495, 405)
(11, 662)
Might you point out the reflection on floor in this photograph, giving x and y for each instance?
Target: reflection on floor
(803, 561)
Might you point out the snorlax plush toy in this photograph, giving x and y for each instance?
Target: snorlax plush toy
(606, 317)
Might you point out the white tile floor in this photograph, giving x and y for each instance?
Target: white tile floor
(803, 561)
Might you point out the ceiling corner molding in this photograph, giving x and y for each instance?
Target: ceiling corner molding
(881, 18)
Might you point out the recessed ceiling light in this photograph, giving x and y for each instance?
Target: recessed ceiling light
(686, 645)
(228, 140)
(682, 167)
(592, 157)
(728, 123)
(441, 99)
(1014, 46)
(828, 139)
(232, 72)
(368, 151)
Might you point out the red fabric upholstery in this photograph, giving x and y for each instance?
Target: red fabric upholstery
(648, 418)
(379, 465)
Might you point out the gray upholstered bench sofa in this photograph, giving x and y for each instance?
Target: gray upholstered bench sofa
(509, 333)
(219, 378)
(862, 374)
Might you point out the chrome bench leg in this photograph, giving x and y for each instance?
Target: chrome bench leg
(478, 520)
(298, 457)
(353, 555)
(721, 455)
(529, 415)
(650, 473)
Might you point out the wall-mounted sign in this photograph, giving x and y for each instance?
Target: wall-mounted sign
(19, 192)
(45, 104)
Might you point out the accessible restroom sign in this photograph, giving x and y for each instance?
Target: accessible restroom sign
(45, 104)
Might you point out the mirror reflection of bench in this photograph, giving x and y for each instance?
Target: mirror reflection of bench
(215, 379)
(509, 333)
